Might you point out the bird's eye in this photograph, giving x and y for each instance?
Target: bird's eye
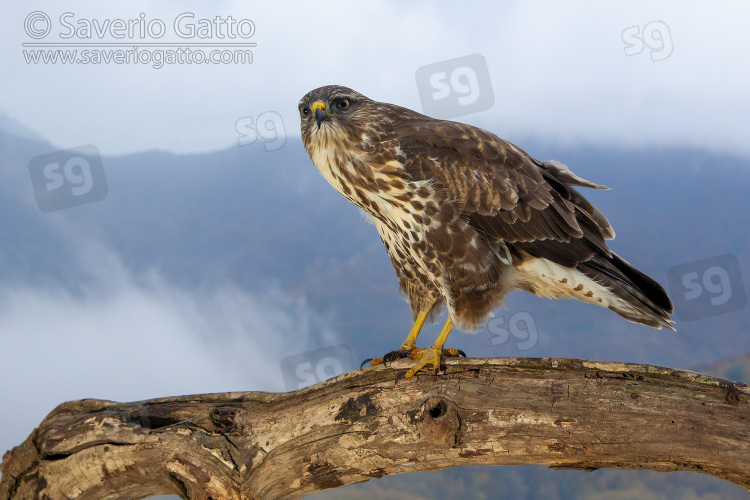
(304, 111)
(343, 104)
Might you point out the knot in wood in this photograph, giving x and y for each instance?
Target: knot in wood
(732, 396)
(223, 417)
(439, 422)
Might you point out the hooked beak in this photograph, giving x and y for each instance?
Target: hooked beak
(319, 112)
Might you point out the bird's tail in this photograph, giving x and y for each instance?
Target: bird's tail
(641, 299)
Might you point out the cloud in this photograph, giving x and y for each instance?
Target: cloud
(129, 337)
(558, 72)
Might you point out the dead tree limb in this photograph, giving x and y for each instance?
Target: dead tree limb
(565, 413)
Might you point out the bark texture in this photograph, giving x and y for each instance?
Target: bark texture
(565, 413)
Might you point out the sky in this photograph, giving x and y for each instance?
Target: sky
(625, 74)
(559, 71)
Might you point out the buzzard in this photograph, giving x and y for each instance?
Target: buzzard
(466, 217)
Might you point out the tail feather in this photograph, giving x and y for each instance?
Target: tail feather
(606, 281)
(576, 264)
(643, 300)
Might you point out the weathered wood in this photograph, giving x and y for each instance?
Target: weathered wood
(565, 413)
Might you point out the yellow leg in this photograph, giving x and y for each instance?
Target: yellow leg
(434, 354)
(411, 339)
(447, 327)
(408, 344)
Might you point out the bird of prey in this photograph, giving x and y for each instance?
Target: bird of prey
(467, 217)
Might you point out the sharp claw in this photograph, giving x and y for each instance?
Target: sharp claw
(403, 353)
(396, 355)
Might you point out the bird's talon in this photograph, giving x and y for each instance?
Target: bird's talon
(452, 353)
(372, 361)
(396, 355)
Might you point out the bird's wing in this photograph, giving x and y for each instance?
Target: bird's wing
(504, 192)
(532, 208)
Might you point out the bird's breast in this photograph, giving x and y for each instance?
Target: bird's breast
(377, 187)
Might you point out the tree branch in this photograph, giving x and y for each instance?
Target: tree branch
(565, 413)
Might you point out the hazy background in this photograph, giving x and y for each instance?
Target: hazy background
(559, 71)
(217, 250)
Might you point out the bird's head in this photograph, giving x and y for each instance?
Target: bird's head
(334, 113)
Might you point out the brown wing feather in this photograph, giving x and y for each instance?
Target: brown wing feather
(509, 196)
(505, 193)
